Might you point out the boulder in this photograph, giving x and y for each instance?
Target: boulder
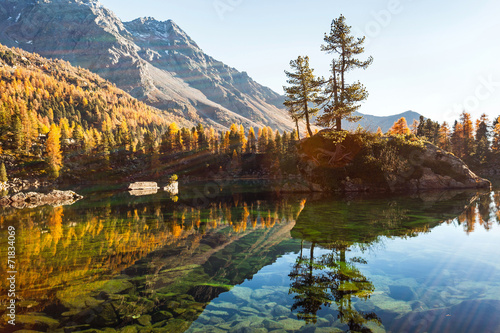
(143, 186)
(5, 201)
(172, 188)
(140, 193)
(34, 198)
(19, 197)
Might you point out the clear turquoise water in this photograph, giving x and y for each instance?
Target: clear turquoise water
(259, 263)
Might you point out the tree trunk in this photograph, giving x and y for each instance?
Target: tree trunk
(338, 124)
(311, 260)
(298, 130)
(308, 125)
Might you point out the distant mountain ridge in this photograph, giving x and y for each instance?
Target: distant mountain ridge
(372, 123)
(156, 62)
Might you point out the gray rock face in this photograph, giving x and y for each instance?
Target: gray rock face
(455, 174)
(154, 61)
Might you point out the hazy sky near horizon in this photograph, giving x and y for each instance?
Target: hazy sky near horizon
(433, 57)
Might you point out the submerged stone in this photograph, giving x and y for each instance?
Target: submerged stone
(117, 286)
(216, 320)
(217, 313)
(242, 293)
(272, 325)
(129, 329)
(79, 297)
(249, 310)
(468, 316)
(161, 316)
(327, 330)
(280, 311)
(104, 316)
(144, 320)
(261, 293)
(225, 305)
(37, 322)
(292, 324)
(175, 326)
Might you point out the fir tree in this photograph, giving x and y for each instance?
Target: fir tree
(482, 139)
(341, 97)
(303, 91)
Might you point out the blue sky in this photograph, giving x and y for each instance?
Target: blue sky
(432, 57)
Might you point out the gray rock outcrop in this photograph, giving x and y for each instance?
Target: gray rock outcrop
(449, 172)
(393, 167)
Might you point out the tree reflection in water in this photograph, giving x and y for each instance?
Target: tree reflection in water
(328, 279)
(338, 226)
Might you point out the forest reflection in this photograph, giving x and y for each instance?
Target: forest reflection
(61, 246)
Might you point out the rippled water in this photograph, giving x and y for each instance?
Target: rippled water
(257, 263)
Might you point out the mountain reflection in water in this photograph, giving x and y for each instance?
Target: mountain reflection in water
(258, 262)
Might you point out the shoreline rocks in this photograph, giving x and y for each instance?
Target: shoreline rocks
(17, 185)
(35, 199)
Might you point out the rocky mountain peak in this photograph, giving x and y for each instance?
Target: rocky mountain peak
(148, 28)
(155, 61)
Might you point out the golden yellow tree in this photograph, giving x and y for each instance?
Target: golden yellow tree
(53, 149)
(400, 127)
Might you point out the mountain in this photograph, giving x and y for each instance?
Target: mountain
(36, 92)
(371, 123)
(156, 62)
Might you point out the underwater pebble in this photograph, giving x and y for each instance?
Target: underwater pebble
(292, 324)
(261, 293)
(225, 305)
(250, 310)
(217, 313)
(328, 330)
(242, 293)
(280, 310)
(129, 329)
(216, 321)
(272, 325)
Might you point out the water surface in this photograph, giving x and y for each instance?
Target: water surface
(257, 262)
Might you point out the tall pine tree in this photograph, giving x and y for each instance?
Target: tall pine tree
(303, 91)
(342, 98)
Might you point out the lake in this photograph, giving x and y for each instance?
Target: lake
(244, 261)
